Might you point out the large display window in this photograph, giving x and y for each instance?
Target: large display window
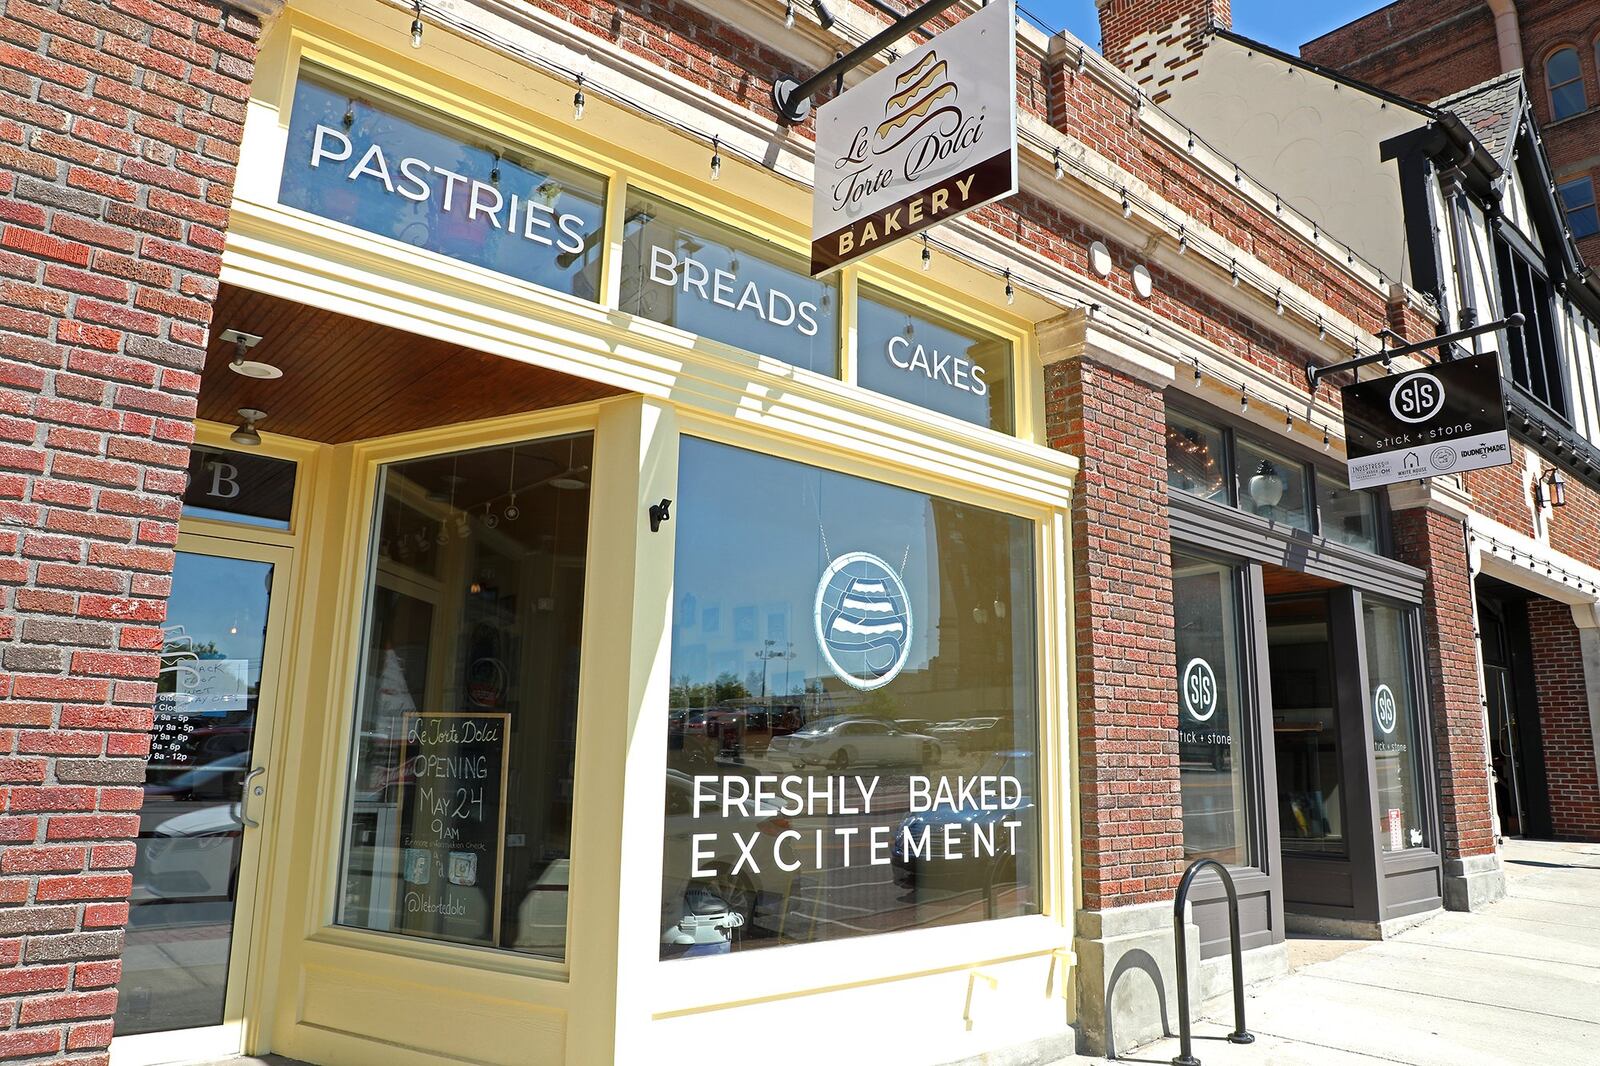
(853, 727)
(1211, 710)
(932, 361)
(460, 806)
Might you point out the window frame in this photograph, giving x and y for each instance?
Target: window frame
(1524, 286)
(1315, 475)
(1411, 627)
(1551, 87)
(1593, 206)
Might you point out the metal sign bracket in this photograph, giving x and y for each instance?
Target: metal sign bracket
(793, 98)
(1314, 373)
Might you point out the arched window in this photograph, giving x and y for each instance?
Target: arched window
(1564, 76)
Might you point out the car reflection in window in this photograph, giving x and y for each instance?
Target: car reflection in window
(840, 743)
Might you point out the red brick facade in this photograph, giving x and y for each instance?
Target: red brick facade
(117, 158)
(1564, 725)
(1129, 807)
(1437, 544)
(1126, 40)
(1427, 49)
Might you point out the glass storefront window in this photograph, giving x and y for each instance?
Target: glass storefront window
(1211, 721)
(1196, 458)
(685, 270)
(1305, 725)
(1349, 516)
(461, 792)
(357, 157)
(1390, 679)
(853, 732)
(932, 361)
(1271, 486)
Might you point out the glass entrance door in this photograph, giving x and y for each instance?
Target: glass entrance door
(181, 996)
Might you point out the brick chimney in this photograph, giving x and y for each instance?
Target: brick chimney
(1154, 40)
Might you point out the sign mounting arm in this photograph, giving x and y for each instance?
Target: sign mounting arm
(1315, 373)
(793, 99)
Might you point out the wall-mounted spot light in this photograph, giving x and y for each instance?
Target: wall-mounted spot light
(1266, 485)
(824, 16)
(247, 435)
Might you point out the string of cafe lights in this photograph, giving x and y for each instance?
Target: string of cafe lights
(584, 85)
(1517, 556)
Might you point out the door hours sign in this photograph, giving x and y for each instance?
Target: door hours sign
(1447, 419)
(927, 138)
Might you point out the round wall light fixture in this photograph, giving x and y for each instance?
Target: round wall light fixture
(1100, 258)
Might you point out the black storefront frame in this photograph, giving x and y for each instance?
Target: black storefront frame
(1383, 886)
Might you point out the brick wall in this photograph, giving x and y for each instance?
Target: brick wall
(1437, 544)
(1564, 727)
(117, 150)
(1134, 34)
(1129, 806)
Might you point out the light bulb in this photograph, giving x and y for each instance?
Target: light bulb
(578, 102)
(1011, 292)
(788, 15)
(927, 255)
(416, 27)
(716, 159)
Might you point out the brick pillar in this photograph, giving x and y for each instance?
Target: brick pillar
(1436, 542)
(1111, 415)
(1565, 721)
(119, 134)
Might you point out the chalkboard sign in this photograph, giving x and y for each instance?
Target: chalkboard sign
(452, 825)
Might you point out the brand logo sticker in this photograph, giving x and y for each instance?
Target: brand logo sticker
(1199, 690)
(863, 620)
(1383, 707)
(1417, 398)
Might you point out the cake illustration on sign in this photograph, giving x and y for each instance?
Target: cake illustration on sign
(863, 620)
(912, 105)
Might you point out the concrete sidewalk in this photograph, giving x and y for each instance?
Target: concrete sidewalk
(1518, 982)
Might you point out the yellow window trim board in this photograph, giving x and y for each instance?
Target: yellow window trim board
(275, 249)
(336, 994)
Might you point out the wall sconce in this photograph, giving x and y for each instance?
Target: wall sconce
(1557, 494)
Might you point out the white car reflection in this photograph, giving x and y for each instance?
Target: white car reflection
(189, 856)
(841, 742)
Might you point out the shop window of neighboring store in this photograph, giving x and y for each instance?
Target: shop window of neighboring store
(1271, 486)
(932, 361)
(459, 820)
(233, 486)
(1577, 198)
(1391, 682)
(688, 271)
(364, 159)
(1196, 458)
(1564, 78)
(853, 722)
(1211, 710)
(1349, 516)
(1214, 463)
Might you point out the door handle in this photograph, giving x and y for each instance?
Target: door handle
(244, 797)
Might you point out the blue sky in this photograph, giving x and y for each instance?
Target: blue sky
(1283, 24)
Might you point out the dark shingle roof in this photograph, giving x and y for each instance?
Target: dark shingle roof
(1491, 110)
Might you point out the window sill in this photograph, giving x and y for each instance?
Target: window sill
(686, 986)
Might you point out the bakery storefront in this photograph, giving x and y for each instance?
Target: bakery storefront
(593, 638)
(1303, 736)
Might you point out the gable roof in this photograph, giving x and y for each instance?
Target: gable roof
(1492, 110)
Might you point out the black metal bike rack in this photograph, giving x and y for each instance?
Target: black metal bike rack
(1240, 1034)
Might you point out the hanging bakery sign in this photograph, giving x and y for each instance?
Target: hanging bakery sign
(924, 140)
